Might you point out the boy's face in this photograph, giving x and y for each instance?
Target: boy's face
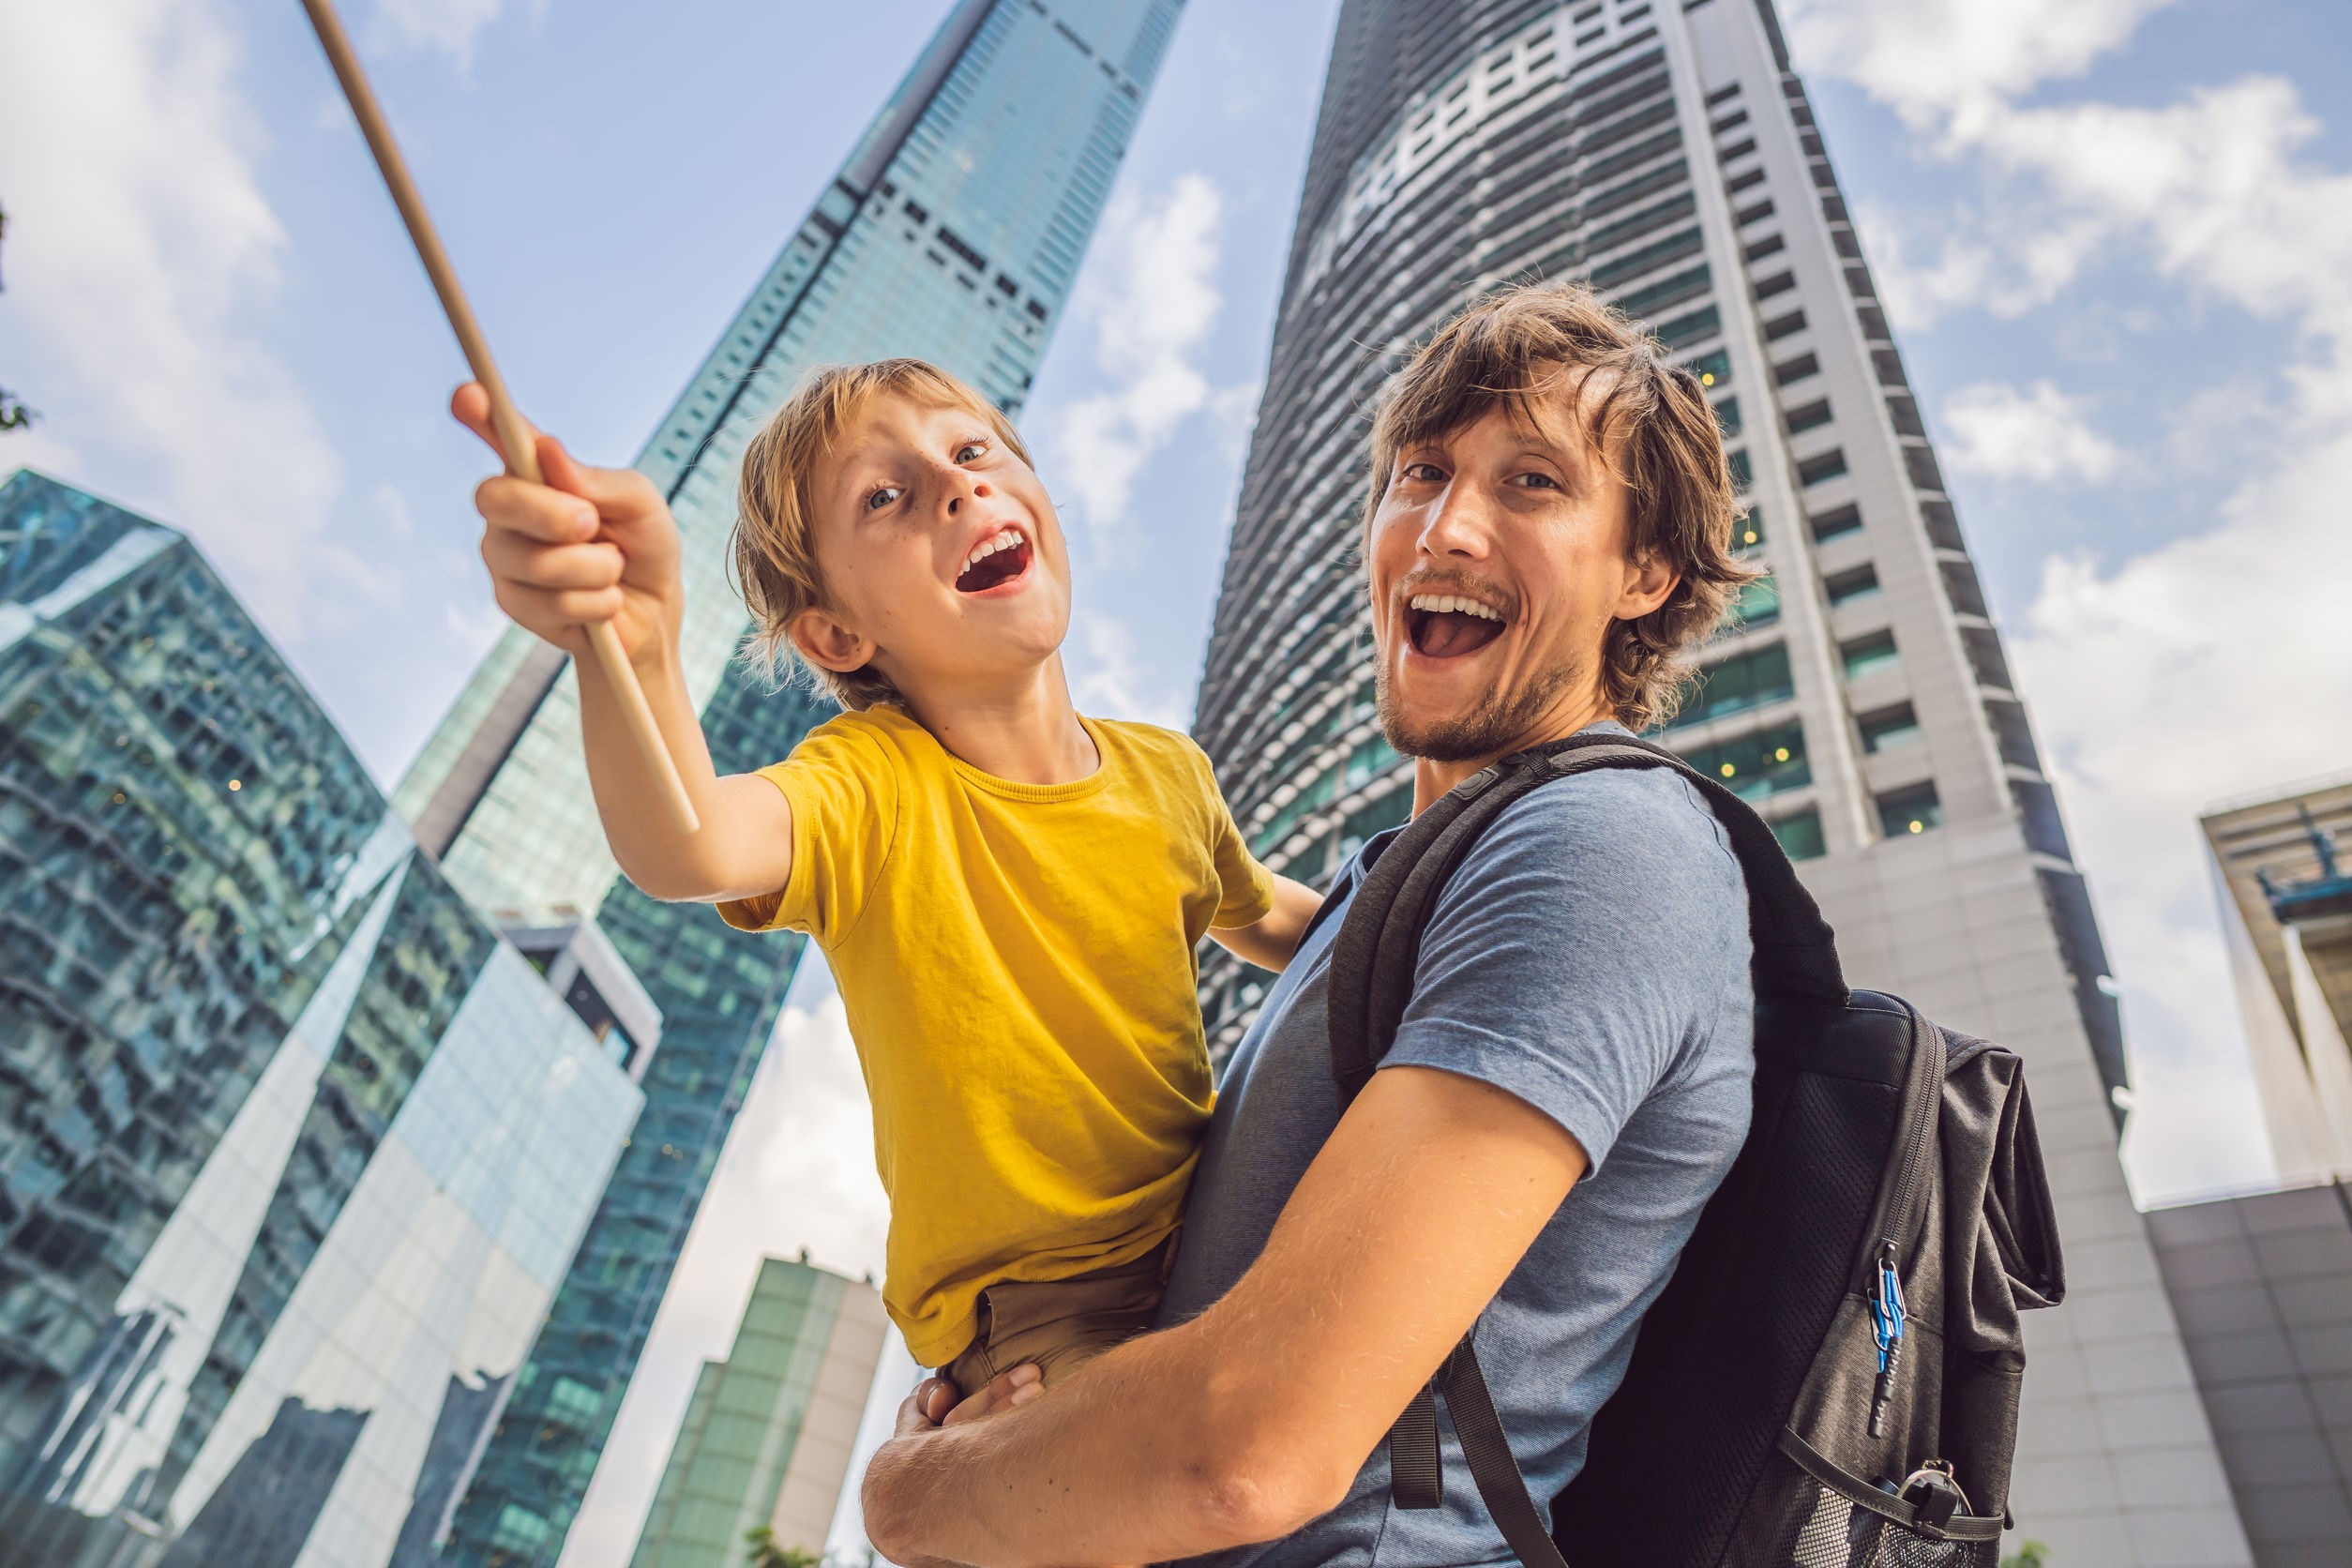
(941, 552)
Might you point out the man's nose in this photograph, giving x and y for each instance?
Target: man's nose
(1455, 525)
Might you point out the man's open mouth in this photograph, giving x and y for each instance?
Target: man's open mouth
(995, 561)
(1447, 625)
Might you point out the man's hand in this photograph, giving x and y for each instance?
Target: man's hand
(934, 1403)
(1246, 1422)
(591, 543)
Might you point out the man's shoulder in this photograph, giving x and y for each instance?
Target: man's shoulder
(1619, 823)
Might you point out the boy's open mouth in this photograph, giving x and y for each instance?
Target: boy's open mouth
(995, 561)
(1447, 625)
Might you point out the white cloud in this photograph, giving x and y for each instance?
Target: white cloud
(2039, 433)
(449, 27)
(1109, 679)
(798, 1172)
(2211, 665)
(1152, 298)
(1933, 57)
(139, 245)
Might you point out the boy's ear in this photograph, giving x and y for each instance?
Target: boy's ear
(828, 645)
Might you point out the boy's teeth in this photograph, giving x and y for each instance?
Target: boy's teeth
(1005, 540)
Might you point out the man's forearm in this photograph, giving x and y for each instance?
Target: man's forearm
(1145, 1455)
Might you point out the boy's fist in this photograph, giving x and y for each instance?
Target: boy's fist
(591, 543)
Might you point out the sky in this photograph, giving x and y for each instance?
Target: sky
(2116, 236)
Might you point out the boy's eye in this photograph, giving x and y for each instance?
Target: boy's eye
(1537, 481)
(883, 497)
(1427, 472)
(971, 451)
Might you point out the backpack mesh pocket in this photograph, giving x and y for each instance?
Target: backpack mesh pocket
(1837, 1535)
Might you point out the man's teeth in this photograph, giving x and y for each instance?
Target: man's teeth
(1005, 540)
(1440, 604)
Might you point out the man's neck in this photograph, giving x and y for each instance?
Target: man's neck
(1433, 781)
(1026, 730)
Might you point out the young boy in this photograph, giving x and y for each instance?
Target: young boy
(1009, 895)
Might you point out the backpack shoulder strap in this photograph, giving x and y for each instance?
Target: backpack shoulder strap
(1373, 959)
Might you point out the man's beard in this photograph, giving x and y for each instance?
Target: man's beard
(1486, 730)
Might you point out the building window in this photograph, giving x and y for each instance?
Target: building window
(1852, 587)
(1797, 370)
(1889, 729)
(1758, 604)
(1779, 283)
(1836, 523)
(1736, 685)
(1748, 531)
(1711, 369)
(1755, 767)
(1828, 465)
(1783, 326)
(1810, 417)
(1696, 328)
(1742, 473)
(1756, 214)
(1728, 418)
(1801, 836)
(1868, 655)
(1904, 812)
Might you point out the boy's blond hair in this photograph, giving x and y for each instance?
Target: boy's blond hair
(775, 543)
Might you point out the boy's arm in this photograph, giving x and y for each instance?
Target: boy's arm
(1270, 943)
(596, 544)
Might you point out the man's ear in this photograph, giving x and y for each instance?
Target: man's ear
(1649, 581)
(828, 644)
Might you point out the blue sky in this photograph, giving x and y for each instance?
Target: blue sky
(2117, 234)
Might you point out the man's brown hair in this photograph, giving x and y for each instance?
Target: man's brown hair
(1651, 422)
(774, 546)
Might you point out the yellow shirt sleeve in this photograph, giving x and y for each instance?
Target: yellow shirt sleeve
(844, 787)
(1247, 888)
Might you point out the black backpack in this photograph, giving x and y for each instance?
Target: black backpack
(1831, 1378)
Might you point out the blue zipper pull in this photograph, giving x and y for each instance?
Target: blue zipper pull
(1886, 1331)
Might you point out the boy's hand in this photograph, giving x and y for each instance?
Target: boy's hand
(591, 543)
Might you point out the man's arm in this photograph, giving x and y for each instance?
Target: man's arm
(1255, 1417)
(1270, 943)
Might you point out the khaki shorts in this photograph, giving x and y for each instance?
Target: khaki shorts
(1060, 1325)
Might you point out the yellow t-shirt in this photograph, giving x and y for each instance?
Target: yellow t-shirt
(1017, 965)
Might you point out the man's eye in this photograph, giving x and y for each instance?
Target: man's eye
(1537, 481)
(1427, 472)
(883, 497)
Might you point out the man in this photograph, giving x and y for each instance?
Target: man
(1548, 533)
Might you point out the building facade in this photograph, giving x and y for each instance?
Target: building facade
(296, 1149)
(2283, 876)
(1667, 154)
(952, 233)
(2262, 1286)
(767, 1437)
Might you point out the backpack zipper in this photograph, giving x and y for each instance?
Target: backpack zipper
(1887, 1320)
(1884, 1283)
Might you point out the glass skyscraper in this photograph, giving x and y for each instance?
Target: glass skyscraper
(294, 1148)
(1667, 155)
(952, 233)
(767, 1437)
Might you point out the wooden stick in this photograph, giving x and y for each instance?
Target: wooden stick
(514, 437)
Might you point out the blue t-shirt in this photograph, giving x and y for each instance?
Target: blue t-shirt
(1590, 956)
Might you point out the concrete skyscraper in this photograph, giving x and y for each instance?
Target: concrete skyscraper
(954, 233)
(1667, 154)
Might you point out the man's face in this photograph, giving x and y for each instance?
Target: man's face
(941, 551)
(1498, 559)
